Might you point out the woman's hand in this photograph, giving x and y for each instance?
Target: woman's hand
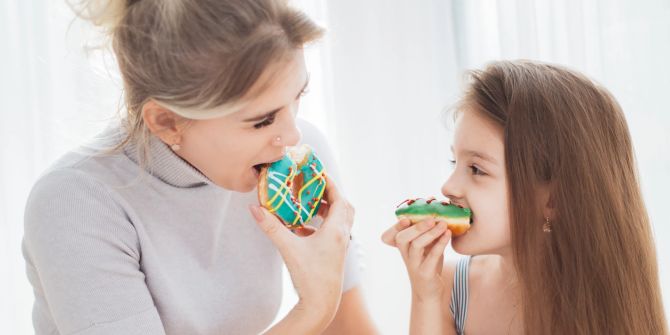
(315, 262)
(422, 248)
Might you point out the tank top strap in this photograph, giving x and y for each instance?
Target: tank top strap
(459, 294)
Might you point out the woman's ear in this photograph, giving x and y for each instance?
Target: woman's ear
(162, 122)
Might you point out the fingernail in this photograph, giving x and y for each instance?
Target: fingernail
(429, 224)
(256, 213)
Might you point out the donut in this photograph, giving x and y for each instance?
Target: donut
(458, 219)
(292, 187)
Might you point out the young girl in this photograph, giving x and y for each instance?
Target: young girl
(560, 241)
(156, 237)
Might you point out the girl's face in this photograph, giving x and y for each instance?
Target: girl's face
(478, 181)
(227, 149)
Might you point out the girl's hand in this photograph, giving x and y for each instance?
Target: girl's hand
(316, 261)
(422, 248)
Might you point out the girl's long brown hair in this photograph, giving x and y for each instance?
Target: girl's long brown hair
(596, 271)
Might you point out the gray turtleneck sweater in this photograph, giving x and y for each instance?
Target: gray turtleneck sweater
(112, 250)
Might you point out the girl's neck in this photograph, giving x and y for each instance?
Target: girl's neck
(504, 270)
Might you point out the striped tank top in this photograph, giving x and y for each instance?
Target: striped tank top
(459, 294)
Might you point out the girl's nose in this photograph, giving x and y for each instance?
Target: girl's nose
(452, 189)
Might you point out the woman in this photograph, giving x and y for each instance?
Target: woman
(211, 91)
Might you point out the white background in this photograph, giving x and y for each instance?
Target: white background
(380, 80)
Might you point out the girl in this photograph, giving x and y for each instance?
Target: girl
(560, 241)
(212, 89)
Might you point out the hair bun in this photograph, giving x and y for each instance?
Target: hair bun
(103, 13)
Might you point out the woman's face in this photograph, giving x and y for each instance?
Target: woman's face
(478, 181)
(226, 149)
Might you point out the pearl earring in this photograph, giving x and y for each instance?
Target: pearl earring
(546, 227)
(175, 147)
(277, 139)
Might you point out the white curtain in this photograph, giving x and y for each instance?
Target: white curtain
(379, 83)
(52, 96)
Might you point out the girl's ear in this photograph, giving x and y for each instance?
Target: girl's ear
(546, 199)
(162, 122)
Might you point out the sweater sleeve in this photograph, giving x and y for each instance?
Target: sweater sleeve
(316, 139)
(83, 260)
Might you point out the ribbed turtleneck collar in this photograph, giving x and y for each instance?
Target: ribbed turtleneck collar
(166, 165)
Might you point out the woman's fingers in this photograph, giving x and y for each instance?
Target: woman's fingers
(271, 226)
(304, 231)
(332, 194)
(433, 261)
(323, 209)
(340, 214)
(388, 236)
(419, 246)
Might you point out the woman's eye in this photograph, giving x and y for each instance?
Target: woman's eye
(452, 162)
(268, 121)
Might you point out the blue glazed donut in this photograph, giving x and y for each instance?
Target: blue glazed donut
(292, 188)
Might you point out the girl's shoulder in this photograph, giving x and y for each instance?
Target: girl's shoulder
(477, 267)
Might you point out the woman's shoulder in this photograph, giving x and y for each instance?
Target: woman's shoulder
(70, 199)
(95, 164)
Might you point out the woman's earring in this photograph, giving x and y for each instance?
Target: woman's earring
(277, 140)
(175, 147)
(546, 227)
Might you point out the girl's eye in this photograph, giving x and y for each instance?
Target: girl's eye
(452, 162)
(268, 121)
(476, 171)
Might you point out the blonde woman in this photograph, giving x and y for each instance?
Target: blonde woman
(163, 234)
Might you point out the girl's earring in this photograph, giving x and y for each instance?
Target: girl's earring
(277, 140)
(546, 227)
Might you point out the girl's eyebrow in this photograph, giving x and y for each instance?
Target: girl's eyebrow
(478, 154)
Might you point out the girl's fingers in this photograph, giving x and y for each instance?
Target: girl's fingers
(388, 236)
(419, 245)
(434, 257)
(404, 237)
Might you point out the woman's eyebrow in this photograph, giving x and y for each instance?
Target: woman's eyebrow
(478, 154)
(262, 117)
(276, 110)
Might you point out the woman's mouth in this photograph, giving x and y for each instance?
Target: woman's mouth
(257, 168)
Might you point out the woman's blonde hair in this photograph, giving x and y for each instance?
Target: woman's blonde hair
(197, 58)
(596, 271)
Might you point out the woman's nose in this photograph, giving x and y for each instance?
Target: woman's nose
(290, 135)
